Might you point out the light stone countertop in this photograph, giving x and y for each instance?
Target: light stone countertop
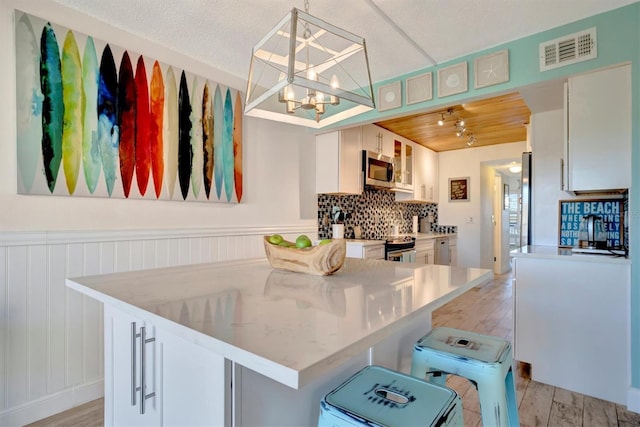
(564, 254)
(291, 327)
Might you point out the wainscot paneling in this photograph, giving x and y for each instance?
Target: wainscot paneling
(51, 348)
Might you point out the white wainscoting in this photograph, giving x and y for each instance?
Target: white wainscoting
(51, 348)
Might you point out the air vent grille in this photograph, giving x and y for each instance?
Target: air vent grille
(568, 50)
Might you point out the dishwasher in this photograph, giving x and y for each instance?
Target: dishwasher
(442, 256)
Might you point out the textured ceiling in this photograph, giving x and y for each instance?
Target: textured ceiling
(222, 32)
(401, 35)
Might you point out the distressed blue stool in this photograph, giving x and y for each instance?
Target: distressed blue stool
(484, 360)
(376, 396)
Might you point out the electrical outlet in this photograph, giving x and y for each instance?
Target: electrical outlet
(469, 220)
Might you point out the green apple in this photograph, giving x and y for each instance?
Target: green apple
(276, 239)
(303, 241)
(324, 242)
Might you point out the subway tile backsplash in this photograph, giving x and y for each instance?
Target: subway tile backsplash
(375, 211)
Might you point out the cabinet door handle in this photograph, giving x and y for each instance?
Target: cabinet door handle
(133, 363)
(561, 174)
(143, 384)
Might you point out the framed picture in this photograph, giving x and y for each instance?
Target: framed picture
(419, 88)
(505, 197)
(571, 212)
(491, 69)
(459, 189)
(452, 80)
(390, 96)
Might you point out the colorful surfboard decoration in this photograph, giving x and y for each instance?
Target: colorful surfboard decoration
(119, 119)
(127, 122)
(29, 102)
(52, 105)
(156, 127)
(237, 146)
(227, 143)
(91, 163)
(143, 142)
(207, 139)
(73, 100)
(185, 155)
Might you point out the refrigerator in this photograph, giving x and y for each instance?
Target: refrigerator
(525, 200)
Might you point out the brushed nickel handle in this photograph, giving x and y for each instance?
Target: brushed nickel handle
(143, 384)
(133, 363)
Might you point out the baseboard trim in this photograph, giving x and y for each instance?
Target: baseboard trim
(633, 400)
(52, 404)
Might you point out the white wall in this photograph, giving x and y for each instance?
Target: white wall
(547, 148)
(278, 159)
(462, 163)
(50, 336)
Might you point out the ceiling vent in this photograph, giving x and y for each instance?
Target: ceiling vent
(569, 49)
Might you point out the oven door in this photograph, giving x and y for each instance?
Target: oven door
(403, 255)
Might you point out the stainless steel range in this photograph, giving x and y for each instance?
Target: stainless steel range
(400, 249)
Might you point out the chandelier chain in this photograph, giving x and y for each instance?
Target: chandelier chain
(306, 6)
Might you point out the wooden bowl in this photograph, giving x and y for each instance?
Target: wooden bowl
(320, 260)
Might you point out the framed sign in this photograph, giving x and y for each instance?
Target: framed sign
(459, 189)
(571, 212)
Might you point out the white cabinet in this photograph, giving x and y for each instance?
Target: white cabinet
(453, 251)
(571, 323)
(130, 356)
(377, 139)
(425, 184)
(425, 250)
(339, 162)
(366, 251)
(598, 131)
(184, 384)
(403, 160)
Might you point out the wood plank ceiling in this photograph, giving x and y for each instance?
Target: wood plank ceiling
(491, 121)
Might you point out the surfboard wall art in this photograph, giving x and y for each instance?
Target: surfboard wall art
(99, 120)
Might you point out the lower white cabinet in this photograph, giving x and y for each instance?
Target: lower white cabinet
(571, 323)
(163, 380)
(453, 251)
(365, 251)
(425, 250)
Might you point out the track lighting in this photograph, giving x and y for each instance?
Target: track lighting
(441, 121)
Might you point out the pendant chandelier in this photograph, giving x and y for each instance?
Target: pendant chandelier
(308, 72)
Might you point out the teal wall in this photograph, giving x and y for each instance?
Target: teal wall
(618, 37)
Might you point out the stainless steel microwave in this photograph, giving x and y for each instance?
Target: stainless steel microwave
(378, 169)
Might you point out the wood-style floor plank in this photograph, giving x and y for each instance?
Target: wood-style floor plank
(487, 309)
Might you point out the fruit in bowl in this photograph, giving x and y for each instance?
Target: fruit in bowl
(302, 256)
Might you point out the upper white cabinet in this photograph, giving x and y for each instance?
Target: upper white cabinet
(339, 162)
(403, 160)
(598, 131)
(377, 139)
(425, 176)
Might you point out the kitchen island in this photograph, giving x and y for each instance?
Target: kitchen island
(240, 343)
(571, 319)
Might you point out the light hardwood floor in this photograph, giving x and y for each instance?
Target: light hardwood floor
(485, 309)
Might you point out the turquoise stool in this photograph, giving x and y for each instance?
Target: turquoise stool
(376, 396)
(485, 361)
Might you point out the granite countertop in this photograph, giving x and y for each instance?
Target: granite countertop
(291, 327)
(418, 236)
(554, 252)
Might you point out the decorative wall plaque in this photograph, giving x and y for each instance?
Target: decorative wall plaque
(491, 69)
(452, 80)
(419, 88)
(390, 96)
